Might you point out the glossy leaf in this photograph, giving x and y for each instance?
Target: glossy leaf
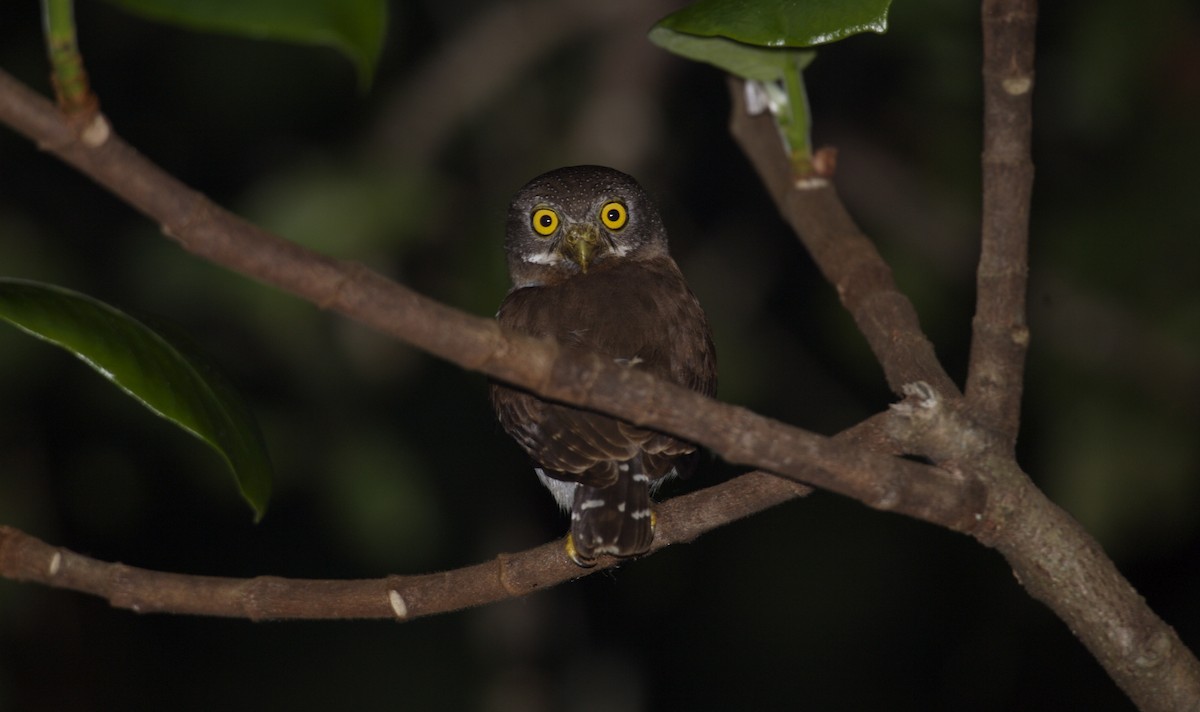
(780, 23)
(166, 376)
(743, 60)
(766, 43)
(354, 27)
(774, 80)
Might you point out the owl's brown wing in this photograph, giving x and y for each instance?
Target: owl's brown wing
(568, 443)
(643, 315)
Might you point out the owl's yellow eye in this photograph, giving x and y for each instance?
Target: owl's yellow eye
(545, 221)
(613, 215)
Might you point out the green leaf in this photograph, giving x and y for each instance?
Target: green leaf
(780, 23)
(774, 78)
(353, 27)
(164, 375)
(747, 61)
(765, 42)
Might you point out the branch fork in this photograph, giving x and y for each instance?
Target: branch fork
(975, 485)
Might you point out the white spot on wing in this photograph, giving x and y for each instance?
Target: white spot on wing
(590, 504)
(55, 563)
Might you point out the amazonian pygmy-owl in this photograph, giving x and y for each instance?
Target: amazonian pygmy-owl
(587, 253)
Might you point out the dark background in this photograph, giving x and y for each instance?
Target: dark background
(390, 462)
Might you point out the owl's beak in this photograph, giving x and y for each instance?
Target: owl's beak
(581, 244)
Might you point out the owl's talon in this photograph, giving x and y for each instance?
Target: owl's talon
(574, 555)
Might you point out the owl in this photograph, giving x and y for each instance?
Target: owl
(587, 254)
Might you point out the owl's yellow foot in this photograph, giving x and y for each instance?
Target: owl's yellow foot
(574, 555)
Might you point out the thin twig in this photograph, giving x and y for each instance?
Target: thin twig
(846, 257)
(682, 519)
(1000, 336)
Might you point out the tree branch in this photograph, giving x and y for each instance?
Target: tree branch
(979, 491)
(1000, 336)
(736, 434)
(846, 257)
(682, 519)
(1056, 561)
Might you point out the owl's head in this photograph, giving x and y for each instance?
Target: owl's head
(575, 219)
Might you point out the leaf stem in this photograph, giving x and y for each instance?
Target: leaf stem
(66, 64)
(797, 127)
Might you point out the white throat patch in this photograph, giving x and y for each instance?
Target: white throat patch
(549, 257)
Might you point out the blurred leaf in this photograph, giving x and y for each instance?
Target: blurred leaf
(165, 376)
(383, 500)
(779, 23)
(353, 27)
(343, 209)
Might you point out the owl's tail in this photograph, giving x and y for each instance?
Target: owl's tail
(615, 520)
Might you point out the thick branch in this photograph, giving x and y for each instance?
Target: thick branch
(1000, 336)
(1055, 559)
(1062, 566)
